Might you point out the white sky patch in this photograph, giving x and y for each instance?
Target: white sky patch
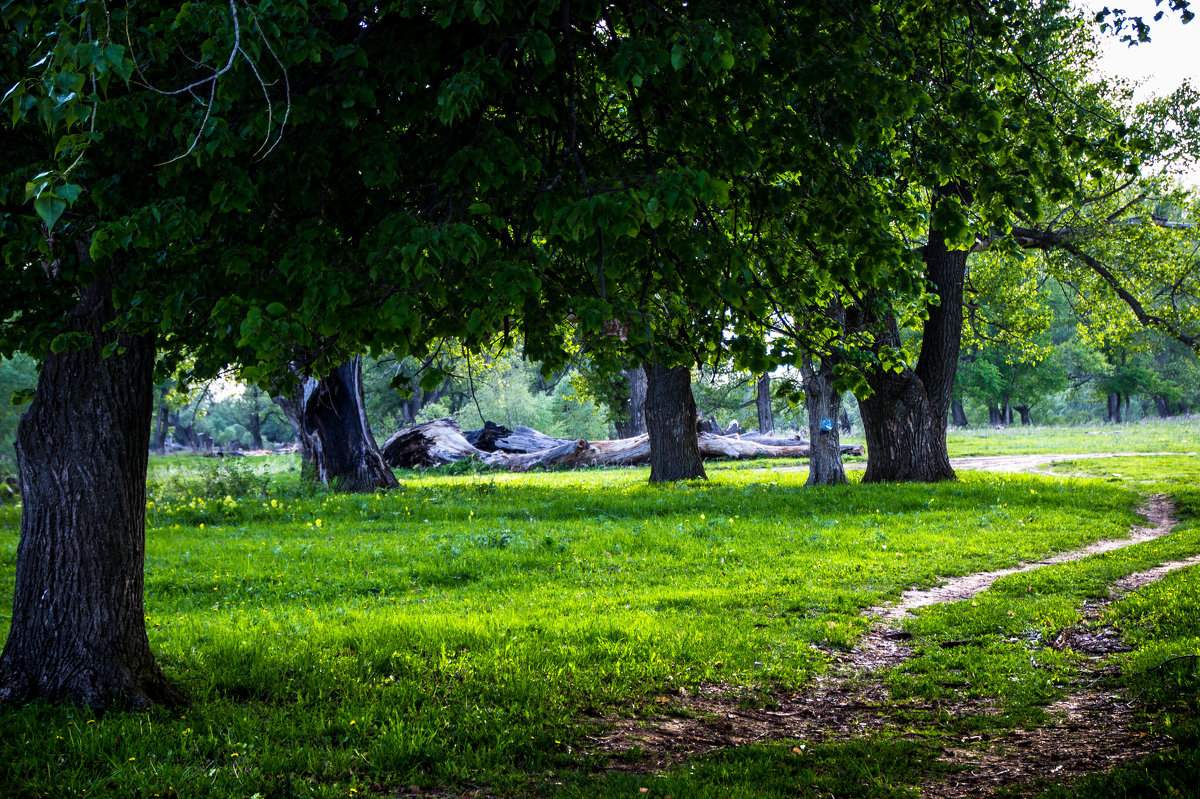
(1170, 57)
(1158, 66)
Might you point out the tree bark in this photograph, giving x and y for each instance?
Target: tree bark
(78, 628)
(958, 414)
(671, 425)
(1114, 408)
(633, 409)
(333, 416)
(762, 399)
(905, 418)
(823, 405)
(1026, 414)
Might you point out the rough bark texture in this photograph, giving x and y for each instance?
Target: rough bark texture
(334, 421)
(823, 405)
(762, 401)
(905, 419)
(633, 409)
(671, 425)
(78, 628)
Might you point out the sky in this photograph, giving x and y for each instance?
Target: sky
(1171, 56)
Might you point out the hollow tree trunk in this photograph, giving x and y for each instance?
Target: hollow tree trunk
(633, 407)
(958, 414)
(905, 418)
(762, 399)
(78, 628)
(671, 424)
(823, 404)
(333, 419)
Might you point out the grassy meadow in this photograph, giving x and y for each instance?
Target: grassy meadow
(472, 631)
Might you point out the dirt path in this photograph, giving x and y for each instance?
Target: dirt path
(1033, 463)
(1089, 729)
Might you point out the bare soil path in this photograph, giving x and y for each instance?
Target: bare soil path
(1090, 728)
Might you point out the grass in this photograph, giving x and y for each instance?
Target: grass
(463, 629)
(1173, 435)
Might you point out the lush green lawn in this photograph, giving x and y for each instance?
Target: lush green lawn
(467, 629)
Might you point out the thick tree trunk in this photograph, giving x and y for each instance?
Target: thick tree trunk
(633, 408)
(762, 399)
(671, 425)
(333, 416)
(78, 628)
(995, 417)
(823, 405)
(1026, 414)
(1114, 408)
(905, 419)
(958, 414)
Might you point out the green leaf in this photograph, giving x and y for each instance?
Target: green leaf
(49, 207)
(69, 192)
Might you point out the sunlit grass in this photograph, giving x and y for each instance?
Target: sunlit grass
(462, 630)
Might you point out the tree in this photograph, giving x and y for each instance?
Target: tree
(164, 213)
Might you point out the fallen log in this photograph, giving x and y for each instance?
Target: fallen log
(430, 444)
(573, 454)
(442, 441)
(485, 437)
(526, 439)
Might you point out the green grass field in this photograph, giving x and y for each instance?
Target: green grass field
(471, 630)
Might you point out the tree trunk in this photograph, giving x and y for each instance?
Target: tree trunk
(995, 417)
(671, 425)
(290, 405)
(958, 414)
(161, 423)
(762, 399)
(1026, 414)
(255, 427)
(1114, 408)
(823, 405)
(78, 628)
(1128, 418)
(1162, 406)
(633, 409)
(334, 423)
(905, 418)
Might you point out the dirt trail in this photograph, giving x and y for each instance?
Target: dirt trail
(1033, 463)
(1089, 729)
